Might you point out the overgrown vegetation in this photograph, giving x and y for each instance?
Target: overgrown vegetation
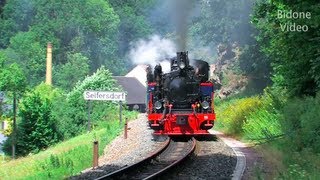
(37, 129)
(48, 116)
(64, 159)
(96, 30)
(284, 119)
(234, 114)
(295, 55)
(71, 110)
(278, 124)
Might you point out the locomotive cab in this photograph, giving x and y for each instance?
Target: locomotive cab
(181, 102)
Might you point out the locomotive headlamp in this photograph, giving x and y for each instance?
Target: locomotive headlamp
(205, 105)
(158, 105)
(182, 65)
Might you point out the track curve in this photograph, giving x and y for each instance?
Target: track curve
(160, 162)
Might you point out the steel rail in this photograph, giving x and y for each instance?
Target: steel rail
(175, 163)
(164, 151)
(135, 165)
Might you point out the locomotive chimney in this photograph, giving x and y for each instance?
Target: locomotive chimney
(49, 64)
(182, 59)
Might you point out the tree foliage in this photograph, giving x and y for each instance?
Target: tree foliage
(11, 76)
(71, 111)
(133, 25)
(36, 129)
(68, 74)
(295, 55)
(224, 22)
(86, 27)
(302, 129)
(25, 50)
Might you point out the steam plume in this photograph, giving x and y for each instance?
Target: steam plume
(153, 51)
(181, 10)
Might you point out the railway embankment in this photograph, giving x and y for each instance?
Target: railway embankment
(61, 160)
(282, 131)
(213, 158)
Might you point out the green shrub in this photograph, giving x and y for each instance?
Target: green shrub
(263, 123)
(232, 115)
(300, 165)
(36, 129)
(71, 111)
(63, 159)
(301, 123)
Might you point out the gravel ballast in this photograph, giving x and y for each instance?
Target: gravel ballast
(123, 152)
(213, 159)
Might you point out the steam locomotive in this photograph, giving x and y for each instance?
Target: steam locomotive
(180, 102)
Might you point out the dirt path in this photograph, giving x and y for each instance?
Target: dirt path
(255, 166)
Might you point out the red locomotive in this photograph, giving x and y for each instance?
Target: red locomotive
(180, 102)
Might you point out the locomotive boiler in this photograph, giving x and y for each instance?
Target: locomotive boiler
(180, 102)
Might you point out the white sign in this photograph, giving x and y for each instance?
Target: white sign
(104, 96)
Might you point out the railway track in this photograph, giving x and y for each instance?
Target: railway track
(171, 154)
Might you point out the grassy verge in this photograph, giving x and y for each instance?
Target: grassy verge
(284, 132)
(64, 159)
(4, 158)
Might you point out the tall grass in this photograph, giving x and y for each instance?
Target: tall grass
(288, 127)
(64, 159)
(232, 116)
(263, 123)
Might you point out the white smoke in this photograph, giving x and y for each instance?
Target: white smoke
(153, 51)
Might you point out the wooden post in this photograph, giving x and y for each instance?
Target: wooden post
(95, 154)
(89, 110)
(126, 129)
(120, 111)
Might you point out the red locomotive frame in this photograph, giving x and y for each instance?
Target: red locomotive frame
(192, 122)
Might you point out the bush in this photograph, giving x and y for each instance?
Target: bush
(61, 160)
(301, 123)
(37, 129)
(71, 111)
(233, 115)
(300, 165)
(263, 123)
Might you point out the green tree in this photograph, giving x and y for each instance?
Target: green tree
(86, 27)
(26, 50)
(68, 74)
(12, 80)
(133, 25)
(71, 112)
(223, 22)
(257, 66)
(93, 22)
(17, 15)
(12, 77)
(37, 129)
(294, 55)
